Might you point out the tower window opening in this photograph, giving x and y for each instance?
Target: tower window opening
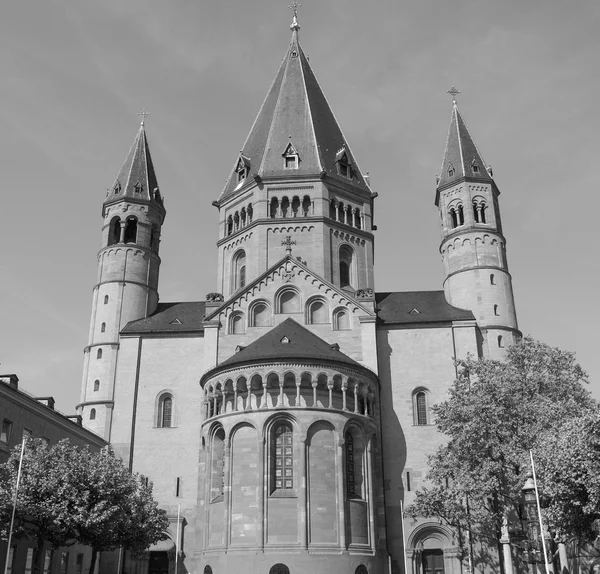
(306, 204)
(492, 279)
(291, 161)
(358, 219)
(239, 270)
(130, 230)
(282, 457)
(344, 167)
(106, 299)
(93, 415)
(243, 217)
(454, 218)
(354, 444)
(114, 233)
(295, 206)
(496, 310)
(236, 221)
(217, 478)
(461, 215)
(178, 486)
(250, 211)
(285, 207)
(451, 170)
(500, 341)
(229, 225)
(482, 217)
(332, 210)
(408, 481)
(99, 354)
(274, 208)
(165, 411)
(346, 267)
(103, 328)
(479, 212)
(138, 187)
(96, 385)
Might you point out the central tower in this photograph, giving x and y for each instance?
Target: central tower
(296, 175)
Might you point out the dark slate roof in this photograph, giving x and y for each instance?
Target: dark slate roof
(302, 345)
(295, 111)
(136, 178)
(460, 154)
(170, 318)
(418, 307)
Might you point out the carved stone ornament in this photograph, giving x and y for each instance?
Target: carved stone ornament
(214, 297)
(287, 276)
(364, 293)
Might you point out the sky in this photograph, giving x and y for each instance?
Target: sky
(75, 75)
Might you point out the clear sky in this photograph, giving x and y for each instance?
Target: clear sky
(75, 74)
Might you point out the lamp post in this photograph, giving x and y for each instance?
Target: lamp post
(531, 544)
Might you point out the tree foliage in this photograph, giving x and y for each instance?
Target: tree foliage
(495, 413)
(69, 495)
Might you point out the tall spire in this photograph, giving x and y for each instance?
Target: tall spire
(136, 178)
(295, 115)
(461, 157)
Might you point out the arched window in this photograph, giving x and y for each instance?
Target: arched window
(453, 218)
(282, 457)
(358, 219)
(165, 411)
(106, 299)
(500, 341)
(250, 211)
(355, 449)
(239, 270)
(96, 385)
(243, 217)
(317, 312)
(217, 468)
(295, 206)
(93, 415)
(114, 233)
(420, 407)
(288, 301)
(483, 208)
(341, 320)
(496, 310)
(285, 207)
(492, 279)
(274, 208)
(332, 210)
(229, 225)
(260, 315)
(461, 215)
(279, 569)
(103, 327)
(236, 324)
(130, 230)
(347, 272)
(99, 354)
(306, 203)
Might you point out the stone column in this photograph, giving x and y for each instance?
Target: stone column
(303, 498)
(122, 234)
(298, 383)
(314, 387)
(344, 389)
(330, 389)
(341, 491)
(262, 492)
(235, 399)
(263, 403)
(226, 489)
(506, 553)
(280, 399)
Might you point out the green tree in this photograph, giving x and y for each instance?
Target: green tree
(69, 495)
(494, 414)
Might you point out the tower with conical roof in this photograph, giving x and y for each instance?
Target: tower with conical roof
(296, 176)
(473, 246)
(127, 280)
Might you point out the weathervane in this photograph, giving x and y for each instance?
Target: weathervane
(453, 92)
(294, 25)
(143, 115)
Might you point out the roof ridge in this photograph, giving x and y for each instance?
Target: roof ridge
(460, 143)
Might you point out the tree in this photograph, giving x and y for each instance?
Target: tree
(495, 413)
(69, 495)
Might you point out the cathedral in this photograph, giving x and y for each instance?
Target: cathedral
(285, 420)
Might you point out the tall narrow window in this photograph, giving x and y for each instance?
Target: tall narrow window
(350, 485)
(6, 431)
(282, 457)
(285, 207)
(64, 563)
(103, 328)
(217, 478)
(130, 230)
(79, 564)
(29, 560)
(274, 208)
(114, 233)
(420, 408)
(239, 270)
(230, 225)
(346, 267)
(99, 354)
(93, 415)
(295, 206)
(106, 299)
(492, 279)
(11, 559)
(96, 385)
(496, 310)
(453, 218)
(165, 411)
(500, 341)
(461, 215)
(355, 450)
(306, 204)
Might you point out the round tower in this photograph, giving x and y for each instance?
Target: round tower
(127, 280)
(473, 247)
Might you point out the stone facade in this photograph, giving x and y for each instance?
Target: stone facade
(285, 420)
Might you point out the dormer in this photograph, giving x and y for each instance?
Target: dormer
(242, 168)
(344, 166)
(291, 159)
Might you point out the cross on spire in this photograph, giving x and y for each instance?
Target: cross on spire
(453, 92)
(294, 26)
(143, 114)
(288, 244)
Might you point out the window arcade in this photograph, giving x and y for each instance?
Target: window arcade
(457, 215)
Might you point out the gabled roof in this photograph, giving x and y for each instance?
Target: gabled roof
(288, 341)
(136, 178)
(461, 157)
(418, 307)
(185, 317)
(295, 109)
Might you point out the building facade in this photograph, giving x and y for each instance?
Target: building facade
(285, 419)
(23, 416)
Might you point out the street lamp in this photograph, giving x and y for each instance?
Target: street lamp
(531, 545)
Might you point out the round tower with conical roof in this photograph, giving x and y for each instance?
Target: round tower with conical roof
(127, 283)
(473, 246)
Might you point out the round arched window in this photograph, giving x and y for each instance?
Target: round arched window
(279, 569)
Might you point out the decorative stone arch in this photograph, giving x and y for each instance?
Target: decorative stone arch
(341, 319)
(237, 323)
(347, 266)
(238, 270)
(317, 310)
(288, 299)
(429, 540)
(114, 231)
(260, 313)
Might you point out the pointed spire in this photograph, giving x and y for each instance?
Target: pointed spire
(295, 110)
(136, 178)
(461, 157)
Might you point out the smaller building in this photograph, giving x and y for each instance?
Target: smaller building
(23, 415)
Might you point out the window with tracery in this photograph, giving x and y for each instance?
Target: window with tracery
(282, 457)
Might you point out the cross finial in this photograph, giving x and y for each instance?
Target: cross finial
(453, 92)
(294, 26)
(288, 244)
(143, 114)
